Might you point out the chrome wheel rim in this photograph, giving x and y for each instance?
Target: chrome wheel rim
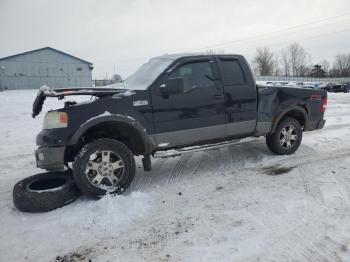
(288, 136)
(105, 169)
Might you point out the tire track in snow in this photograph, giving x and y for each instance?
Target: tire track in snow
(17, 157)
(292, 233)
(335, 185)
(144, 180)
(314, 184)
(229, 159)
(304, 240)
(6, 191)
(167, 170)
(343, 179)
(194, 165)
(236, 158)
(304, 150)
(310, 183)
(311, 251)
(5, 194)
(181, 165)
(266, 214)
(216, 157)
(345, 185)
(301, 237)
(335, 126)
(302, 160)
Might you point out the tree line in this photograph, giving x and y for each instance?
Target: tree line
(294, 60)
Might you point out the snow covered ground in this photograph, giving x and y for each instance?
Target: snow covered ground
(236, 203)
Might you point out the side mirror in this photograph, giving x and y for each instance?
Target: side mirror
(172, 86)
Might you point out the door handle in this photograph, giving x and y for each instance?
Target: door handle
(218, 97)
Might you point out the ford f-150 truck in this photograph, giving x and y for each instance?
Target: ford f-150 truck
(171, 102)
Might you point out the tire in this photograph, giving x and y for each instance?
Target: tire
(274, 140)
(44, 192)
(96, 176)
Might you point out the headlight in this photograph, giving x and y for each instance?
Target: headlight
(55, 119)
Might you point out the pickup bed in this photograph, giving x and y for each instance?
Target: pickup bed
(173, 101)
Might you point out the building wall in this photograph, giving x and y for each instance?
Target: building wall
(43, 67)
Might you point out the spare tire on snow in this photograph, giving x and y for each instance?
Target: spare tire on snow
(45, 192)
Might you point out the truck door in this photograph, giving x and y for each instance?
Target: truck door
(196, 113)
(240, 96)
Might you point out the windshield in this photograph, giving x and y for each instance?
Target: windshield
(146, 74)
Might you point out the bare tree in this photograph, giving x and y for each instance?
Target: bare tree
(285, 63)
(263, 61)
(298, 58)
(304, 70)
(276, 65)
(341, 66)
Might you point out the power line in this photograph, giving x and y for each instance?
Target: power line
(307, 38)
(264, 35)
(271, 33)
(275, 36)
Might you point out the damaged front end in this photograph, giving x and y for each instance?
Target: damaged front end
(60, 93)
(52, 141)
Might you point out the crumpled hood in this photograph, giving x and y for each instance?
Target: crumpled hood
(60, 93)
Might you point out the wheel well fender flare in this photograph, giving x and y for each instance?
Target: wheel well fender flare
(295, 108)
(148, 142)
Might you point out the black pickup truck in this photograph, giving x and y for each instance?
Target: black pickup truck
(173, 101)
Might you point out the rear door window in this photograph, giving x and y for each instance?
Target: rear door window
(231, 72)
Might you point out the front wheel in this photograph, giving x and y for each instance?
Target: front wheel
(287, 137)
(104, 166)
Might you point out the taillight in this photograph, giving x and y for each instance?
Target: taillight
(324, 104)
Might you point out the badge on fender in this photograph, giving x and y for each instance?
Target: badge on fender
(140, 103)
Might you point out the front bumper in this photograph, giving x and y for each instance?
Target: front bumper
(50, 158)
(55, 137)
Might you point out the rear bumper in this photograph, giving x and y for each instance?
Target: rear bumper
(321, 124)
(50, 158)
(313, 125)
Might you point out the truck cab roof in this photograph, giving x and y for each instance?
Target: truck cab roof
(193, 54)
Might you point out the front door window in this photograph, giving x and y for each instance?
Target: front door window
(195, 75)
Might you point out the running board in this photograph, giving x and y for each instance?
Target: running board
(185, 150)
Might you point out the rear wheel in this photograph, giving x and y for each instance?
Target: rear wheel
(104, 166)
(287, 137)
